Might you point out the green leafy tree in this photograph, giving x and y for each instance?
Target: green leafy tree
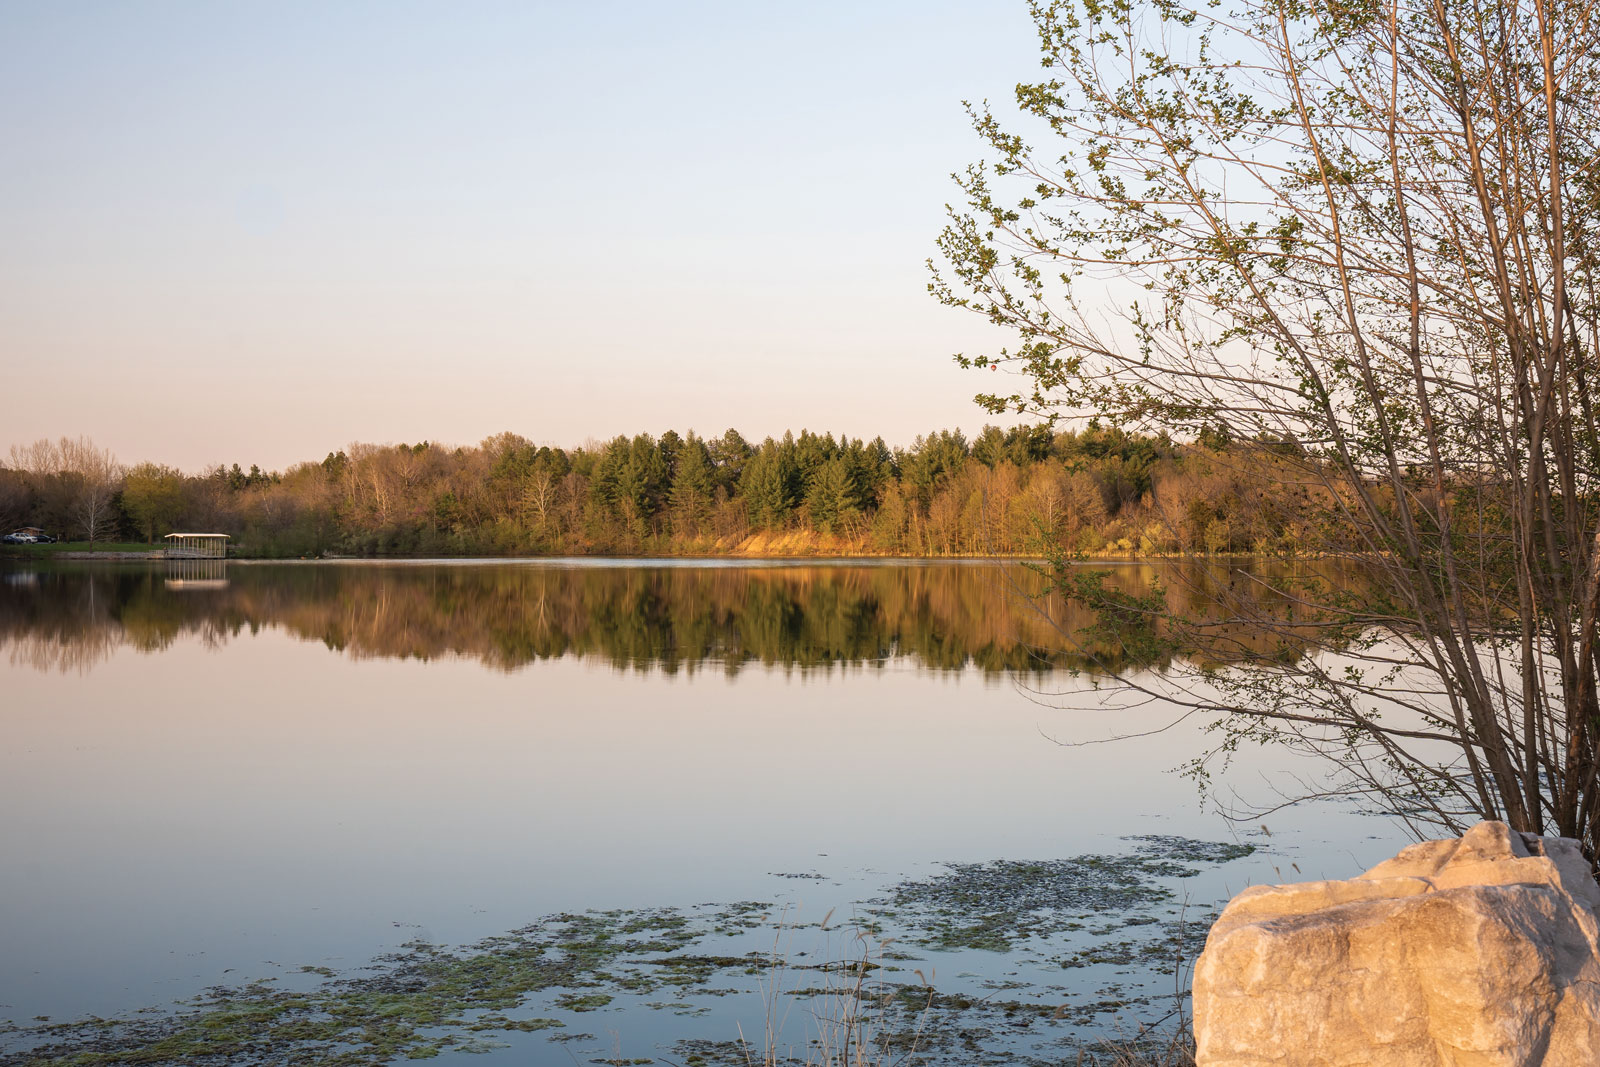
(1366, 234)
(153, 497)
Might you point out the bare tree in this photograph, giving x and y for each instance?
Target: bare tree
(98, 477)
(90, 476)
(1360, 236)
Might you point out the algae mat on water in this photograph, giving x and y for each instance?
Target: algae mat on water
(547, 980)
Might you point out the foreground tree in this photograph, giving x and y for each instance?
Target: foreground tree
(1362, 237)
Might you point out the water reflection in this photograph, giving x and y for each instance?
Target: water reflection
(672, 618)
(196, 574)
(234, 810)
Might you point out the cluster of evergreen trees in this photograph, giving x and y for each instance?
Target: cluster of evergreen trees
(1097, 490)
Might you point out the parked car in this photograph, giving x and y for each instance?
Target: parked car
(44, 539)
(17, 539)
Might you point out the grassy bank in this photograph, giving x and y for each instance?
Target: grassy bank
(60, 547)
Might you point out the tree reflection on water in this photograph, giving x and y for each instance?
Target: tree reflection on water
(997, 618)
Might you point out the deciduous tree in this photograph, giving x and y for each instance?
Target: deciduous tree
(153, 497)
(1365, 235)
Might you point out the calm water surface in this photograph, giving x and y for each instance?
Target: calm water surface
(213, 775)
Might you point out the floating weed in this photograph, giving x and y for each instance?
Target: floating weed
(994, 906)
(679, 1007)
(414, 1003)
(500, 1022)
(425, 1000)
(1172, 941)
(734, 919)
(586, 1002)
(1188, 850)
(700, 1052)
(475, 1045)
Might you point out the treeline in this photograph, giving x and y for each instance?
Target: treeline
(1097, 490)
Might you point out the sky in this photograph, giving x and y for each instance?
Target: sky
(254, 232)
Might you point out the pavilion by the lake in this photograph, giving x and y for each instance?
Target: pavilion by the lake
(196, 546)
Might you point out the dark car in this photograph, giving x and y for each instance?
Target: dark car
(44, 539)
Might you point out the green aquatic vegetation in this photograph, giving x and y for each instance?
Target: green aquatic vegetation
(1188, 850)
(527, 1026)
(414, 1003)
(701, 1052)
(1172, 941)
(737, 918)
(479, 1045)
(679, 1007)
(585, 1002)
(687, 970)
(994, 906)
(426, 1000)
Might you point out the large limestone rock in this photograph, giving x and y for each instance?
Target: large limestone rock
(1481, 951)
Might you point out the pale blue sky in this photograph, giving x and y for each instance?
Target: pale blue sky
(256, 232)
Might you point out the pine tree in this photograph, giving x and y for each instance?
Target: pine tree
(769, 483)
(834, 498)
(693, 484)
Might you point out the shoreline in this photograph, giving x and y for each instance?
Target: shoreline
(159, 556)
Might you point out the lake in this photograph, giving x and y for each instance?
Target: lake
(598, 810)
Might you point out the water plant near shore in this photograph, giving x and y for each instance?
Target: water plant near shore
(425, 1000)
(997, 904)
